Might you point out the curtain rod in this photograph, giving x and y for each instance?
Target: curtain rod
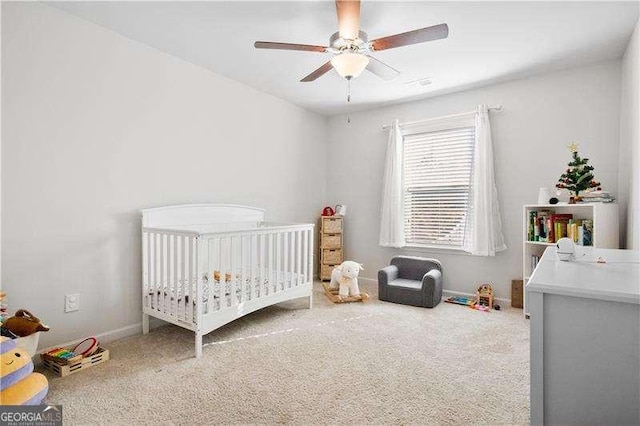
(408, 123)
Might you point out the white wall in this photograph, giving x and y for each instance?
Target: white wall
(541, 116)
(629, 168)
(97, 127)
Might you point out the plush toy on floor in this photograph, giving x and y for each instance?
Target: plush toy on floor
(345, 277)
(19, 385)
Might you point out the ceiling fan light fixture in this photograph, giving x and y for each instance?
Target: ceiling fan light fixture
(349, 65)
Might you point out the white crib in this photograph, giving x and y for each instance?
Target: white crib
(205, 265)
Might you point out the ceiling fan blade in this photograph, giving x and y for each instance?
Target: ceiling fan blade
(348, 18)
(318, 73)
(288, 46)
(381, 69)
(422, 35)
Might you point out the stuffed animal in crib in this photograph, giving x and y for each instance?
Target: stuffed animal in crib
(345, 277)
(19, 385)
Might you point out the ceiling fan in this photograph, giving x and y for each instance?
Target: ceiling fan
(352, 47)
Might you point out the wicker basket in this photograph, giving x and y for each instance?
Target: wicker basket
(331, 225)
(331, 257)
(325, 271)
(332, 241)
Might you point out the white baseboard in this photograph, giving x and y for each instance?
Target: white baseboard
(506, 302)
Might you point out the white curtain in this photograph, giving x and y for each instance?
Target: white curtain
(392, 214)
(484, 228)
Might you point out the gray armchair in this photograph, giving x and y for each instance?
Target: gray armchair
(414, 281)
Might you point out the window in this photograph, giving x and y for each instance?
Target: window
(437, 168)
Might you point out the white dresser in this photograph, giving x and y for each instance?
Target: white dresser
(585, 338)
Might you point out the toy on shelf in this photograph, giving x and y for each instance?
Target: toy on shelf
(484, 296)
(328, 211)
(19, 385)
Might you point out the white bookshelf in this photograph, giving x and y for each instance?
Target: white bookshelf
(605, 231)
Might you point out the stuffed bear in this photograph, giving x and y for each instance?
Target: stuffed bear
(345, 277)
(19, 385)
(24, 323)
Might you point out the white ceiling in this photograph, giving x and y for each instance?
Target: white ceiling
(488, 42)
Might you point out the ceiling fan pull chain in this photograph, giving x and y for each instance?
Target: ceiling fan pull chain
(348, 100)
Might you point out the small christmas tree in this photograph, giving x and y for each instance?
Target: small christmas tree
(578, 176)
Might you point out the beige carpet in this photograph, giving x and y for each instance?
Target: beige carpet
(371, 362)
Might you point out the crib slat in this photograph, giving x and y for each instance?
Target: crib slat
(148, 296)
(278, 260)
(167, 261)
(310, 251)
(194, 297)
(179, 274)
(189, 306)
(254, 257)
(169, 300)
(298, 257)
(166, 290)
(220, 284)
(293, 260)
(157, 276)
(174, 301)
(152, 268)
(167, 277)
(285, 255)
(270, 266)
(242, 265)
(262, 270)
(215, 288)
(305, 256)
(232, 266)
(223, 274)
(179, 282)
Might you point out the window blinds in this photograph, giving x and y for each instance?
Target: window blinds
(437, 169)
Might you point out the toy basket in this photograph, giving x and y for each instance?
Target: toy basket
(29, 343)
(64, 369)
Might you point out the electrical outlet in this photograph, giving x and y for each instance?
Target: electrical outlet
(72, 302)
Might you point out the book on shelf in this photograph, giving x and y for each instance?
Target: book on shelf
(560, 223)
(539, 226)
(587, 232)
(534, 262)
(548, 227)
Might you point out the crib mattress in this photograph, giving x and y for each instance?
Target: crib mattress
(253, 288)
